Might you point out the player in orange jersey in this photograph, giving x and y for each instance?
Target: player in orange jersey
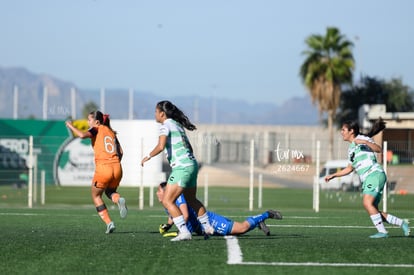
(108, 169)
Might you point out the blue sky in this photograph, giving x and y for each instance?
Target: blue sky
(226, 48)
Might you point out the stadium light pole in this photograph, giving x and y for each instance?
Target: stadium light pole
(251, 175)
(73, 102)
(15, 102)
(103, 100)
(316, 179)
(260, 195)
(45, 103)
(42, 187)
(141, 187)
(30, 176)
(384, 164)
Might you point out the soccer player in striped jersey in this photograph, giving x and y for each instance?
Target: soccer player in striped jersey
(362, 159)
(183, 178)
(108, 169)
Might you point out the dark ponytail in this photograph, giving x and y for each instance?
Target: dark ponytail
(172, 111)
(377, 127)
(102, 118)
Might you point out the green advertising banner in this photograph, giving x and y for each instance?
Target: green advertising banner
(48, 137)
(69, 161)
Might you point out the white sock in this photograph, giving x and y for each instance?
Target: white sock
(204, 220)
(180, 224)
(377, 221)
(394, 220)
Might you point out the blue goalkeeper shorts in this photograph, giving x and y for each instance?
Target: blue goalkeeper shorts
(222, 225)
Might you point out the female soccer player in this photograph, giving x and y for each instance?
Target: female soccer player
(108, 169)
(183, 177)
(362, 159)
(222, 226)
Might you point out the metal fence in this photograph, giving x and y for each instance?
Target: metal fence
(210, 147)
(276, 144)
(14, 158)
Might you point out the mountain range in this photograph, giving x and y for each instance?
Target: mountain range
(200, 109)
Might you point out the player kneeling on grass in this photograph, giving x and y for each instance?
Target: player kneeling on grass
(222, 225)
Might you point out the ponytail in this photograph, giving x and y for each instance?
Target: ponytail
(102, 118)
(377, 127)
(172, 111)
(105, 119)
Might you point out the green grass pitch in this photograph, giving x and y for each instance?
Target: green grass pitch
(65, 236)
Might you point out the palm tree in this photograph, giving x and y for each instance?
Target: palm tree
(328, 65)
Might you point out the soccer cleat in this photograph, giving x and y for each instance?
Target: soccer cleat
(262, 226)
(110, 227)
(273, 214)
(123, 210)
(379, 235)
(182, 237)
(405, 228)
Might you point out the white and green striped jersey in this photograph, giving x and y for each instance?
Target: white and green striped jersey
(362, 158)
(178, 148)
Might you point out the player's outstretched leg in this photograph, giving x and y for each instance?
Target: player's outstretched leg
(262, 226)
(258, 220)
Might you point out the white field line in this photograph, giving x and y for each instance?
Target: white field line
(318, 226)
(235, 257)
(326, 226)
(234, 254)
(21, 214)
(41, 214)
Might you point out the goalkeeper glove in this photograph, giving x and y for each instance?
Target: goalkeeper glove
(164, 228)
(170, 234)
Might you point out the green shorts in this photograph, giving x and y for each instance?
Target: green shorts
(184, 176)
(374, 185)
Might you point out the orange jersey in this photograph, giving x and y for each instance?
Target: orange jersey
(103, 143)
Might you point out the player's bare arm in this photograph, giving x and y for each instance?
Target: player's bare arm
(372, 145)
(77, 132)
(340, 173)
(162, 141)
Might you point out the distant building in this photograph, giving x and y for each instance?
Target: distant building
(399, 133)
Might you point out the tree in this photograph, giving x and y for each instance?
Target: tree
(399, 96)
(370, 90)
(328, 65)
(89, 107)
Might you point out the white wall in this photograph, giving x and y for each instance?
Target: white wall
(137, 138)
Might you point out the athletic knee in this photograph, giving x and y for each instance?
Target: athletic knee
(367, 205)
